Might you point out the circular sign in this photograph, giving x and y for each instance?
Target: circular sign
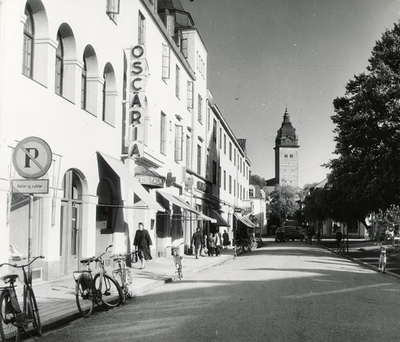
(32, 157)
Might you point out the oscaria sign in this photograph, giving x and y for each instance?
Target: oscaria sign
(138, 76)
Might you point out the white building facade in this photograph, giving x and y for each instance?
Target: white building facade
(118, 91)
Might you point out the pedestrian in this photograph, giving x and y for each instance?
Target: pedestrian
(218, 244)
(142, 243)
(225, 237)
(211, 245)
(339, 236)
(197, 242)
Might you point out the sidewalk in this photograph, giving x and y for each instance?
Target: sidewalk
(366, 253)
(56, 300)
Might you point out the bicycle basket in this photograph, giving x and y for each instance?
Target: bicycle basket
(87, 281)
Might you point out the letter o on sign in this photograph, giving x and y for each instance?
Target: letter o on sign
(137, 51)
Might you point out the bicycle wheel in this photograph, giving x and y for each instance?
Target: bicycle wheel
(8, 331)
(84, 297)
(110, 291)
(119, 278)
(33, 312)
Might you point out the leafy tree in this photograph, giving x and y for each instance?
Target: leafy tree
(257, 180)
(284, 201)
(366, 173)
(384, 223)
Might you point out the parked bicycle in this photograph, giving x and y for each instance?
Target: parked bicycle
(14, 320)
(177, 260)
(123, 275)
(98, 289)
(382, 260)
(341, 248)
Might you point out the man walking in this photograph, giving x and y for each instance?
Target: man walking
(197, 242)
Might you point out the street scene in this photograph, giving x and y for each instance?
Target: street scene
(280, 292)
(199, 170)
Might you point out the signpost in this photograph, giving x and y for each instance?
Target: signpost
(31, 158)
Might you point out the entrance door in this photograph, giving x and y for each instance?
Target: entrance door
(70, 225)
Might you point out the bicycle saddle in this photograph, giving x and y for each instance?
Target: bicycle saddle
(86, 261)
(9, 278)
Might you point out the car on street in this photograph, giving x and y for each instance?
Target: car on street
(295, 234)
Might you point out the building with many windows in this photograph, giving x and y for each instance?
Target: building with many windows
(104, 128)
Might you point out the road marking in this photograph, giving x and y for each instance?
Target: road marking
(307, 295)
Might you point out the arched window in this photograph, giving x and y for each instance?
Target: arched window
(29, 32)
(109, 95)
(59, 73)
(91, 83)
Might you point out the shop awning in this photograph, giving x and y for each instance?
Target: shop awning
(178, 202)
(220, 220)
(129, 179)
(245, 221)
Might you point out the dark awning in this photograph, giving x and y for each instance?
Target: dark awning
(178, 202)
(129, 179)
(220, 220)
(245, 221)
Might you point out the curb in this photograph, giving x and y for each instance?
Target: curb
(360, 262)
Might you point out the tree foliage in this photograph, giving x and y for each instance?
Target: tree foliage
(257, 180)
(284, 201)
(366, 173)
(384, 223)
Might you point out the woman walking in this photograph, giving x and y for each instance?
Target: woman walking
(142, 243)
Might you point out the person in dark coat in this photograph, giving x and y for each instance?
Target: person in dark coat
(142, 243)
(197, 242)
(225, 238)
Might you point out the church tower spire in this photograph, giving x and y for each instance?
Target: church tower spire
(286, 153)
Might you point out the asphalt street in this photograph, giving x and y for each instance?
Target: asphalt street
(281, 292)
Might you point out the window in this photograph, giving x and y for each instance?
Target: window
(230, 151)
(163, 134)
(177, 79)
(251, 192)
(225, 143)
(190, 95)
(59, 66)
(165, 61)
(208, 120)
(285, 156)
(244, 169)
(220, 138)
(230, 184)
(214, 172)
(291, 156)
(113, 9)
(241, 193)
(234, 157)
(215, 130)
(141, 29)
(234, 187)
(224, 180)
(188, 152)
(199, 159)
(240, 164)
(219, 176)
(199, 109)
(178, 143)
(83, 86)
(109, 95)
(29, 32)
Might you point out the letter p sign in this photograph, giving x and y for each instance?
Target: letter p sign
(32, 157)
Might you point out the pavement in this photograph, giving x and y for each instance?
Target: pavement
(56, 299)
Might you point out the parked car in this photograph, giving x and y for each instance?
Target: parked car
(280, 235)
(295, 234)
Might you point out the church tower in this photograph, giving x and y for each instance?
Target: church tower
(286, 154)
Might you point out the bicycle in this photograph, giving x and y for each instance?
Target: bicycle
(177, 260)
(99, 289)
(14, 321)
(341, 248)
(123, 275)
(382, 260)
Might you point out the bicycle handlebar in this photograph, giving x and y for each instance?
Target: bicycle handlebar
(21, 266)
(97, 259)
(175, 247)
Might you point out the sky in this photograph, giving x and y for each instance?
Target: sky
(268, 55)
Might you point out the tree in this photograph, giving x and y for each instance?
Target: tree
(284, 201)
(366, 173)
(257, 180)
(384, 223)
